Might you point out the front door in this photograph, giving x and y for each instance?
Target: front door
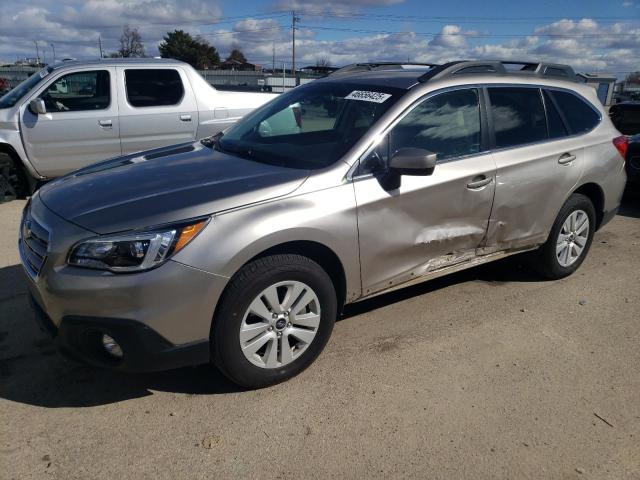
(81, 124)
(157, 108)
(432, 221)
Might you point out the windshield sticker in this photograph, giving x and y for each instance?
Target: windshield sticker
(363, 95)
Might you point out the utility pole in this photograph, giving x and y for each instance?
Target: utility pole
(53, 47)
(294, 20)
(37, 53)
(273, 57)
(100, 45)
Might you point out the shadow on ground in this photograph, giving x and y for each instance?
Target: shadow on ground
(33, 372)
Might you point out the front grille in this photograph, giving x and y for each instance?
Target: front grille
(34, 240)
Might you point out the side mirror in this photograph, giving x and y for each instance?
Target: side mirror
(413, 161)
(37, 106)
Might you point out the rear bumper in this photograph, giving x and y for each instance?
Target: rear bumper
(144, 349)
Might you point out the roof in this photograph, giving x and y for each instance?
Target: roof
(397, 78)
(117, 62)
(396, 74)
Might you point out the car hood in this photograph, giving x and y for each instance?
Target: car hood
(163, 186)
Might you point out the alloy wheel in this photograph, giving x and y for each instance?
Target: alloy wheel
(280, 324)
(572, 238)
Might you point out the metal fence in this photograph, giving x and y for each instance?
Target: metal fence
(222, 79)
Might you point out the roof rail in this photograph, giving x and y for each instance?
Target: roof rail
(501, 67)
(368, 66)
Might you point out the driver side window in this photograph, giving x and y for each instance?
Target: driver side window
(78, 91)
(447, 124)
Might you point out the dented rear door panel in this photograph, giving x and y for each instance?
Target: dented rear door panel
(532, 184)
(428, 223)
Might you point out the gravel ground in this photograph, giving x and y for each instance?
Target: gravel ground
(489, 373)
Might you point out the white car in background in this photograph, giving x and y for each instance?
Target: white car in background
(73, 114)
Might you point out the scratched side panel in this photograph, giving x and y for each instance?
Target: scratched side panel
(429, 222)
(531, 187)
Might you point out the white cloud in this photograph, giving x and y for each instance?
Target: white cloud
(74, 29)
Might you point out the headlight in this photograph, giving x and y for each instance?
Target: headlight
(136, 251)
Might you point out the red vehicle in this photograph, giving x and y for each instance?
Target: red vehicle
(4, 86)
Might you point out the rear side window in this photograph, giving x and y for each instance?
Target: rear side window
(554, 121)
(580, 116)
(518, 116)
(153, 87)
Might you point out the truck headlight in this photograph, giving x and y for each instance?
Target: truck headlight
(136, 251)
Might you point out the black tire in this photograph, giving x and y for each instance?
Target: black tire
(243, 288)
(12, 180)
(547, 262)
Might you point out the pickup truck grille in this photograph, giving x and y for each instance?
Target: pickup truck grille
(34, 240)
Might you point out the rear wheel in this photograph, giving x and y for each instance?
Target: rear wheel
(570, 238)
(12, 181)
(274, 320)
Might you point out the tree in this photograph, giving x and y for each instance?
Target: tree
(633, 77)
(237, 55)
(322, 62)
(195, 51)
(131, 43)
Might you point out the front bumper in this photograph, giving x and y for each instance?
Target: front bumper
(161, 318)
(144, 349)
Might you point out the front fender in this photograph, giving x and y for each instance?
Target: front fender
(327, 217)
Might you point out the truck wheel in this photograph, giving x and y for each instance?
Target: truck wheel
(570, 238)
(12, 182)
(274, 320)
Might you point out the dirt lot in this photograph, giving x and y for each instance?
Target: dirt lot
(490, 373)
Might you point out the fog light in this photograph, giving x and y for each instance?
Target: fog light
(111, 346)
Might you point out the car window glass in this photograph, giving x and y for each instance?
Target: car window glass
(518, 116)
(309, 127)
(153, 87)
(580, 116)
(315, 114)
(78, 91)
(447, 124)
(554, 121)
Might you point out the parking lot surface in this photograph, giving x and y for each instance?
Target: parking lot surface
(489, 373)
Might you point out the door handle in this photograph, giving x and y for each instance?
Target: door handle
(566, 159)
(478, 182)
(185, 118)
(105, 123)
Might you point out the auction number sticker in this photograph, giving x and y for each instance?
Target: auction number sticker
(365, 96)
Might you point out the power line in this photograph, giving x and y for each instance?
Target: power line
(472, 34)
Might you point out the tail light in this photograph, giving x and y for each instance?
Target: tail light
(622, 144)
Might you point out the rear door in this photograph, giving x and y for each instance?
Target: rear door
(157, 107)
(81, 124)
(539, 160)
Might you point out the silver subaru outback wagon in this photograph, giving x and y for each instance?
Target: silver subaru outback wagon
(243, 248)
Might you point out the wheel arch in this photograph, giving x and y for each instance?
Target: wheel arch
(593, 192)
(316, 251)
(7, 149)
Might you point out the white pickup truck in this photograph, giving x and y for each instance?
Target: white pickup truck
(73, 114)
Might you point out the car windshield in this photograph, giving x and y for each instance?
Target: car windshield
(13, 96)
(310, 127)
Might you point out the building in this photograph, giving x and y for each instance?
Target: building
(236, 65)
(604, 85)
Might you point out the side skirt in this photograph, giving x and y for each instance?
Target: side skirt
(441, 272)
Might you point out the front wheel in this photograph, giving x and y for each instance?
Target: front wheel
(570, 238)
(12, 182)
(274, 320)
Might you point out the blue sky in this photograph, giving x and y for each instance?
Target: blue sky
(590, 35)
